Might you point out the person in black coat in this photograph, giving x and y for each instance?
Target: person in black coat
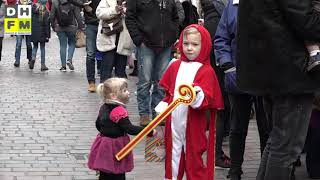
(40, 31)
(212, 10)
(271, 61)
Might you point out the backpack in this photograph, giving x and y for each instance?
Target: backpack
(65, 14)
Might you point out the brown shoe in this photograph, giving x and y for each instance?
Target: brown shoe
(92, 87)
(144, 120)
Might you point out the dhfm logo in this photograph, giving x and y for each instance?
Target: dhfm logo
(17, 20)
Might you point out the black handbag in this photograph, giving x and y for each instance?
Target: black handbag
(112, 26)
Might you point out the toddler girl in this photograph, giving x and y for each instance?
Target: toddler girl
(114, 126)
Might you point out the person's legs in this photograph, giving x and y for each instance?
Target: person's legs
(107, 64)
(63, 47)
(267, 105)
(43, 52)
(264, 126)
(29, 47)
(146, 58)
(240, 113)
(120, 64)
(34, 50)
(18, 50)
(71, 47)
(1, 40)
(135, 62)
(290, 116)
(109, 176)
(34, 55)
(71, 44)
(43, 56)
(91, 48)
(159, 66)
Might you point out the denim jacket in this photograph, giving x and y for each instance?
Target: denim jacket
(225, 38)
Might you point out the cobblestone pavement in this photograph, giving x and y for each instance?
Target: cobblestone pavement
(47, 123)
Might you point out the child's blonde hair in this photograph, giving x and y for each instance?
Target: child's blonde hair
(111, 86)
(190, 30)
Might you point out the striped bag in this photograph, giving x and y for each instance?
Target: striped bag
(154, 150)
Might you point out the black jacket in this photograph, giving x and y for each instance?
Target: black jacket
(40, 25)
(90, 17)
(271, 55)
(153, 22)
(211, 21)
(112, 129)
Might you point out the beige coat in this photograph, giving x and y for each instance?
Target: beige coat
(106, 10)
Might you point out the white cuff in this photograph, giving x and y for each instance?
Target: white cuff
(161, 107)
(199, 98)
(230, 70)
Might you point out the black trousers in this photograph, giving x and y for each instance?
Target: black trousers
(223, 116)
(290, 115)
(1, 39)
(240, 115)
(109, 176)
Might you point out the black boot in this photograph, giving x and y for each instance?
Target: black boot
(135, 69)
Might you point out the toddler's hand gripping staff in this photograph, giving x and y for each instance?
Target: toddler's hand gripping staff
(187, 96)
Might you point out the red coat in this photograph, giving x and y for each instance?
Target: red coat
(197, 121)
(11, 2)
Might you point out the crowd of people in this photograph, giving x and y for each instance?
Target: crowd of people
(239, 55)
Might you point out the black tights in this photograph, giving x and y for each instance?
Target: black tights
(108, 176)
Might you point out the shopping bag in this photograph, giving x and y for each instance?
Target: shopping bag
(154, 150)
(80, 39)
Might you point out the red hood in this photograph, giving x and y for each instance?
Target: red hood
(206, 44)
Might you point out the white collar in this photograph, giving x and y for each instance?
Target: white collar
(235, 2)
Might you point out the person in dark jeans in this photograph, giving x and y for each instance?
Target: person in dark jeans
(115, 47)
(91, 48)
(19, 38)
(275, 68)
(153, 27)
(240, 102)
(92, 22)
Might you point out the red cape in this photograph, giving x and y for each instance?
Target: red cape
(199, 120)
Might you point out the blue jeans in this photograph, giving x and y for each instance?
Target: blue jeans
(290, 115)
(91, 48)
(151, 66)
(112, 59)
(66, 38)
(42, 50)
(18, 47)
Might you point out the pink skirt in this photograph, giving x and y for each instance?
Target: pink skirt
(102, 155)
